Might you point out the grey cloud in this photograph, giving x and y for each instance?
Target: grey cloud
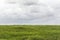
(27, 12)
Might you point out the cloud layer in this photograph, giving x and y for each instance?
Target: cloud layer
(29, 12)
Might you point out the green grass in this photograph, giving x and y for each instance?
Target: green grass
(29, 32)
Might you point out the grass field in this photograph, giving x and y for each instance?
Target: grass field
(29, 32)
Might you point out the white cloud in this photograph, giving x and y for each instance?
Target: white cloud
(31, 12)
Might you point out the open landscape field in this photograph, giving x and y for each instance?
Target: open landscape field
(29, 32)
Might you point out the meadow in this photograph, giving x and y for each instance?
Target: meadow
(29, 32)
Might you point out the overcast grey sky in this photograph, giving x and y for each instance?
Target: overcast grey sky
(29, 11)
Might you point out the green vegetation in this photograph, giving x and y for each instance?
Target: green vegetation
(29, 32)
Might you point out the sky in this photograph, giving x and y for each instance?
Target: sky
(29, 11)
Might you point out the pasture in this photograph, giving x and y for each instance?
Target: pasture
(29, 32)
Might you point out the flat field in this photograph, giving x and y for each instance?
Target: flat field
(29, 32)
